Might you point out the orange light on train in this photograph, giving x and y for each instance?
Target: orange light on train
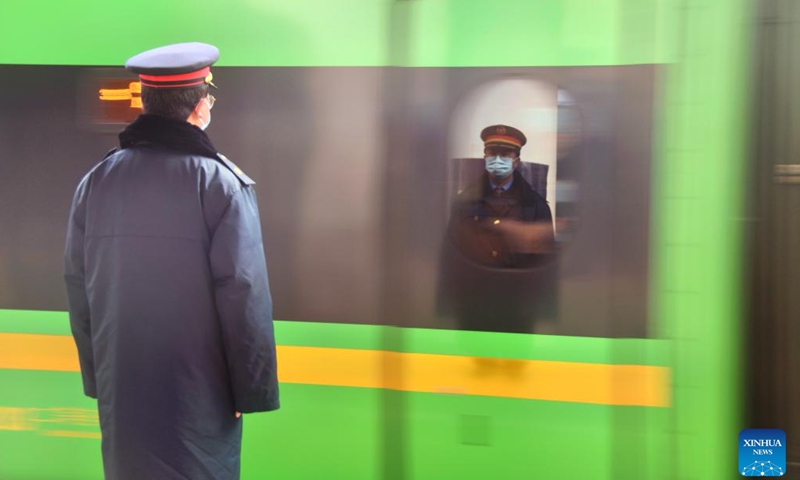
(123, 94)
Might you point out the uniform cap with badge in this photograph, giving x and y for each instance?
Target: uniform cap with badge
(503, 136)
(180, 65)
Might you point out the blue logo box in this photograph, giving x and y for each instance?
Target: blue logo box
(762, 453)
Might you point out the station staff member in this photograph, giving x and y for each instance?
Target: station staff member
(166, 276)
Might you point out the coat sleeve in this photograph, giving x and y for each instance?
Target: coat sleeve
(74, 275)
(244, 304)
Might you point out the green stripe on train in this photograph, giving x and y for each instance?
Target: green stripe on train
(337, 433)
(345, 32)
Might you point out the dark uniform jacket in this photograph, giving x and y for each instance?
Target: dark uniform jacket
(486, 280)
(169, 304)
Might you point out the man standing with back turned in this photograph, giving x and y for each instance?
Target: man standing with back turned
(169, 300)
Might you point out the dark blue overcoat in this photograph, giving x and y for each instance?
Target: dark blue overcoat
(169, 304)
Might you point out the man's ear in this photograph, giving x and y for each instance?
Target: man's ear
(195, 113)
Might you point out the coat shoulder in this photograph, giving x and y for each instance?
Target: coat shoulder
(233, 168)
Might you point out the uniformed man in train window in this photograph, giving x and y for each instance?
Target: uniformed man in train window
(497, 270)
(169, 300)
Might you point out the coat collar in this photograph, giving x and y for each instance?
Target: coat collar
(166, 132)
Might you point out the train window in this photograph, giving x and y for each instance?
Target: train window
(507, 140)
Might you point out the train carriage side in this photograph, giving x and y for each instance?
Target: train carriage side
(355, 118)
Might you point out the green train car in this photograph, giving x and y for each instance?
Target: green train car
(354, 118)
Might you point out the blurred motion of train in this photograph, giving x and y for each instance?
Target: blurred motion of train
(670, 319)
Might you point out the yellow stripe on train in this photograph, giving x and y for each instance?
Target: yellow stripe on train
(412, 372)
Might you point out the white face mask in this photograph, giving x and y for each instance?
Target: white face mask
(204, 125)
(500, 167)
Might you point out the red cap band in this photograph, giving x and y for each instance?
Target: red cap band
(503, 139)
(176, 81)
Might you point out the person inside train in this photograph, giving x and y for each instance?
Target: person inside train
(499, 235)
(169, 301)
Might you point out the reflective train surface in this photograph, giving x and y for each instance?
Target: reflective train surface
(419, 339)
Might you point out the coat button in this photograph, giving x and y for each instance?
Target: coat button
(497, 221)
(494, 253)
(475, 218)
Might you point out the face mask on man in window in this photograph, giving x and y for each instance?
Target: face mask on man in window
(499, 167)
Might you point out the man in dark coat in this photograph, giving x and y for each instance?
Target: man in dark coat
(497, 264)
(166, 276)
